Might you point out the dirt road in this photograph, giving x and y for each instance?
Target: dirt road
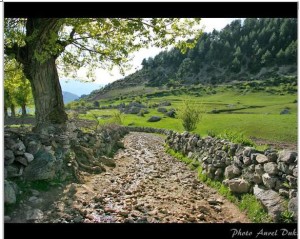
(147, 185)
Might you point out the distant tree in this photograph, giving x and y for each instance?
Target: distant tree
(291, 52)
(17, 87)
(280, 56)
(96, 104)
(266, 58)
(184, 69)
(236, 65)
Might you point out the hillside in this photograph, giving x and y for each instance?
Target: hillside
(255, 49)
(68, 97)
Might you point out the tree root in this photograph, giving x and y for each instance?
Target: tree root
(84, 161)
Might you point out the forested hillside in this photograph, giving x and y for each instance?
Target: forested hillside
(248, 50)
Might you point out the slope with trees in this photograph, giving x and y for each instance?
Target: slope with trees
(242, 51)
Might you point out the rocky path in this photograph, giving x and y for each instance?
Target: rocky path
(147, 185)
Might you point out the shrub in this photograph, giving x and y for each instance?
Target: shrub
(236, 137)
(189, 115)
(117, 118)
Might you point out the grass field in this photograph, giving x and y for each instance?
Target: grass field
(255, 114)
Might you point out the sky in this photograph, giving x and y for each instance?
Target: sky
(104, 77)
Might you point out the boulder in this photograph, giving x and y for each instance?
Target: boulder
(133, 110)
(292, 193)
(171, 114)
(43, 167)
(257, 179)
(285, 112)
(271, 168)
(271, 201)
(19, 148)
(9, 157)
(34, 214)
(12, 171)
(248, 151)
(272, 157)
(165, 103)
(238, 185)
(283, 192)
(21, 160)
(232, 171)
(29, 157)
(295, 172)
(283, 167)
(287, 156)
(238, 161)
(219, 173)
(260, 158)
(292, 181)
(9, 192)
(162, 110)
(154, 119)
(247, 161)
(33, 147)
(293, 207)
(269, 181)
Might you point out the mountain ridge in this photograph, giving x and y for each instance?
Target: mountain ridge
(258, 49)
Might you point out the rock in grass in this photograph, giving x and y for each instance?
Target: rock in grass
(9, 192)
(270, 200)
(154, 119)
(293, 207)
(237, 185)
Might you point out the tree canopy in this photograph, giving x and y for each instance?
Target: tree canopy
(98, 42)
(40, 44)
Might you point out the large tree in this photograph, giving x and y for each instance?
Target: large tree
(40, 44)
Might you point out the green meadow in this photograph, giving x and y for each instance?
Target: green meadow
(254, 113)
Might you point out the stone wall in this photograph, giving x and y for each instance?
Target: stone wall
(146, 130)
(270, 175)
(30, 157)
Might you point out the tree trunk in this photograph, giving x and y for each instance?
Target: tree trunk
(47, 93)
(24, 113)
(13, 110)
(42, 73)
(5, 111)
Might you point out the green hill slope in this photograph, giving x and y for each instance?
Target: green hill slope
(255, 49)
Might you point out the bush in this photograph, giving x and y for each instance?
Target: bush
(236, 137)
(117, 118)
(189, 115)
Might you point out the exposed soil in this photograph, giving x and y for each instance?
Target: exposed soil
(147, 185)
(275, 145)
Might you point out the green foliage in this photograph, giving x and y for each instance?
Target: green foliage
(225, 55)
(287, 216)
(17, 89)
(178, 155)
(236, 137)
(89, 43)
(189, 114)
(253, 208)
(117, 118)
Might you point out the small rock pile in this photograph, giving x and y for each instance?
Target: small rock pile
(270, 175)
